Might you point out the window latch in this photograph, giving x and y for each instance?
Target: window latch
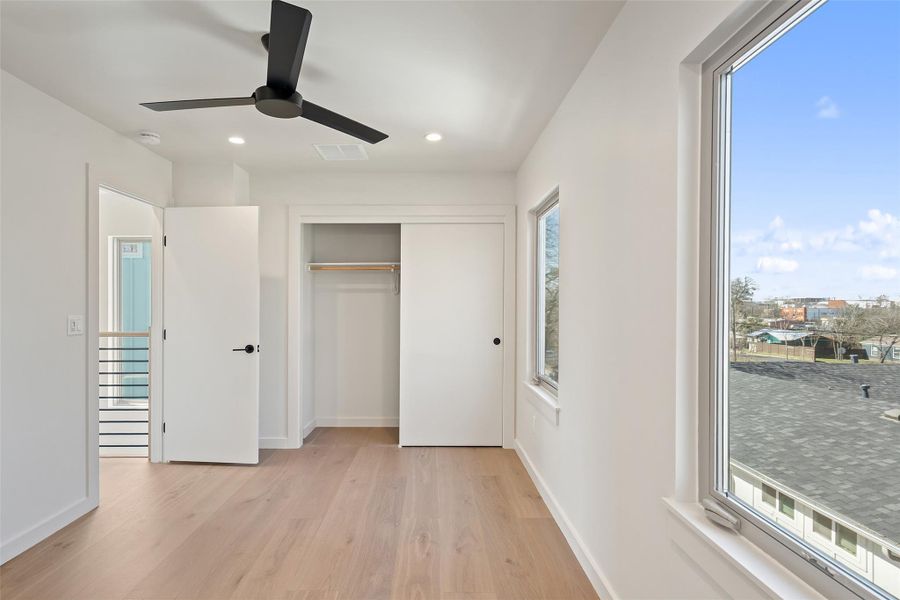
(716, 513)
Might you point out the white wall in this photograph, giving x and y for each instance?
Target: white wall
(356, 328)
(45, 148)
(119, 216)
(612, 148)
(224, 184)
(210, 184)
(275, 192)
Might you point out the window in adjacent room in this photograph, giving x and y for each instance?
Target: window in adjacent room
(546, 368)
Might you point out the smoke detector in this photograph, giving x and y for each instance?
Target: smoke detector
(148, 138)
(341, 151)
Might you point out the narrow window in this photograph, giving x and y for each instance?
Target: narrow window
(822, 525)
(846, 539)
(546, 367)
(131, 314)
(768, 495)
(786, 505)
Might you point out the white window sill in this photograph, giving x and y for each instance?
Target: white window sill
(753, 572)
(545, 402)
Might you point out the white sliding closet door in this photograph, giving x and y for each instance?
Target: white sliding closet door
(451, 325)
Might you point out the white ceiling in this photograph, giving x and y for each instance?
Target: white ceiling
(488, 75)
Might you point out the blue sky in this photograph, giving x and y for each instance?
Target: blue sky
(816, 156)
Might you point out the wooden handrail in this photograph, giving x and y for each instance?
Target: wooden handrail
(124, 334)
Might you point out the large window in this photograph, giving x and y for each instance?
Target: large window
(546, 279)
(805, 287)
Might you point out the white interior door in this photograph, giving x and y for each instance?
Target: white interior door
(451, 325)
(211, 313)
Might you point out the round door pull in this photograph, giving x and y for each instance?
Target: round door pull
(249, 349)
(496, 341)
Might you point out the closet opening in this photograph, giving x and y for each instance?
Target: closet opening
(402, 319)
(352, 307)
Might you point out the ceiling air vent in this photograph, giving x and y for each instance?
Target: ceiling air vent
(341, 151)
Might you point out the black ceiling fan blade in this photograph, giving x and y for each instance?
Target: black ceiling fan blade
(288, 33)
(201, 103)
(316, 113)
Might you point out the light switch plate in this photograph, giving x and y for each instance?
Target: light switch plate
(75, 325)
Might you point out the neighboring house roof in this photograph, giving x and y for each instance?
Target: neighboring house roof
(782, 335)
(885, 341)
(807, 426)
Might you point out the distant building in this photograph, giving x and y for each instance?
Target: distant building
(789, 337)
(796, 314)
(824, 310)
(871, 303)
(876, 348)
(802, 344)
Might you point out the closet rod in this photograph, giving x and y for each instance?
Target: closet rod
(393, 267)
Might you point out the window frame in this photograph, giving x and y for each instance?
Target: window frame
(812, 565)
(538, 213)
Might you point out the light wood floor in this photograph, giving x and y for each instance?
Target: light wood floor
(348, 516)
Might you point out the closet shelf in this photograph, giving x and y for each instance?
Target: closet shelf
(353, 266)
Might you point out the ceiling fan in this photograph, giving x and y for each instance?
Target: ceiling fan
(286, 43)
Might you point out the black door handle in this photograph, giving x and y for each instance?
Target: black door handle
(249, 349)
(496, 341)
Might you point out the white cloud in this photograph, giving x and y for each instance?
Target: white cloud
(745, 238)
(840, 240)
(776, 264)
(874, 237)
(882, 232)
(827, 108)
(878, 272)
(791, 246)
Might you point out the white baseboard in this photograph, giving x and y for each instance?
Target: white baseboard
(25, 540)
(357, 421)
(276, 443)
(308, 428)
(591, 568)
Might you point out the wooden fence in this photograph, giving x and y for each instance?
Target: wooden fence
(788, 352)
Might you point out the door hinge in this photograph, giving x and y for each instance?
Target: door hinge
(164, 426)
(717, 513)
(164, 335)
(164, 240)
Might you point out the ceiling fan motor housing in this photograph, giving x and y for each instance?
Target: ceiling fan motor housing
(275, 103)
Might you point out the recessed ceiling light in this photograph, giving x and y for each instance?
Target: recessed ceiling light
(434, 136)
(236, 139)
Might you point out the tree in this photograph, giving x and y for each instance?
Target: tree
(742, 289)
(814, 336)
(848, 328)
